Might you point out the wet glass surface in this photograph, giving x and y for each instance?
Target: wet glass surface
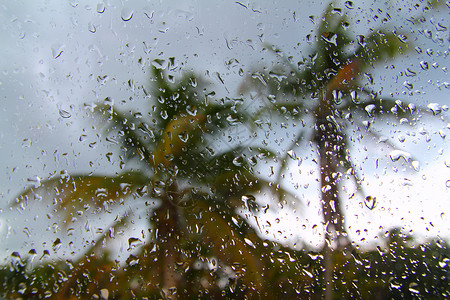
(235, 150)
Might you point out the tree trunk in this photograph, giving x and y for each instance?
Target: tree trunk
(167, 233)
(329, 140)
(328, 147)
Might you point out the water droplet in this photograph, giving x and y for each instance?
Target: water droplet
(382, 139)
(412, 107)
(133, 242)
(428, 33)
(73, 3)
(184, 136)
(416, 165)
(125, 188)
(315, 256)
(435, 108)
(132, 260)
(291, 154)
(36, 181)
(333, 205)
(408, 85)
(252, 160)
(354, 96)
(424, 65)
(370, 202)
(250, 201)
(21, 288)
(56, 244)
(399, 103)
(369, 109)
(447, 184)
(326, 188)
(249, 242)
(410, 73)
(395, 285)
(238, 161)
(101, 8)
(57, 50)
(397, 154)
(191, 110)
(366, 124)
(91, 28)
(64, 113)
(233, 120)
(349, 4)
(101, 193)
(413, 288)
(126, 14)
(160, 64)
(443, 263)
(404, 121)
(193, 82)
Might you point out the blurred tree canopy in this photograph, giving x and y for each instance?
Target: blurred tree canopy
(326, 88)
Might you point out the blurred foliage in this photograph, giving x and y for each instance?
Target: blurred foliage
(195, 192)
(403, 269)
(331, 88)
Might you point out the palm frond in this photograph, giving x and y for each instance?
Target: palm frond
(380, 46)
(72, 195)
(288, 154)
(385, 106)
(128, 127)
(231, 241)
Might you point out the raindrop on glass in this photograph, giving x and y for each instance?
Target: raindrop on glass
(370, 202)
(435, 108)
(101, 8)
(64, 114)
(126, 14)
(369, 109)
(57, 50)
(397, 154)
(91, 28)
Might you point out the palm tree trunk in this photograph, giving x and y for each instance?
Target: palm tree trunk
(329, 270)
(166, 221)
(328, 141)
(329, 163)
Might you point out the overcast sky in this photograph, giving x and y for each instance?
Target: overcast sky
(54, 51)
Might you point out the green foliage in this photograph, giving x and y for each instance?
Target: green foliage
(403, 269)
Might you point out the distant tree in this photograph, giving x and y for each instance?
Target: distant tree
(325, 89)
(197, 239)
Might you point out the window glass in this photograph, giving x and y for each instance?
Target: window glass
(224, 149)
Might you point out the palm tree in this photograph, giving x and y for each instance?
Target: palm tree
(325, 89)
(197, 238)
